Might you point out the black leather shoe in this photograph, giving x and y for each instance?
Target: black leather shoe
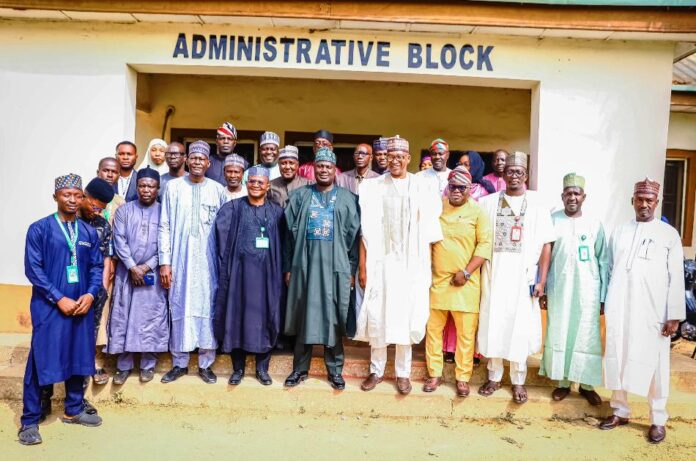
(657, 434)
(236, 377)
(121, 376)
(295, 378)
(207, 375)
(337, 382)
(146, 375)
(174, 374)
(264, 378)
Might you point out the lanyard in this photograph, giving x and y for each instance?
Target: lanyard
(71, 239)
(258, 221)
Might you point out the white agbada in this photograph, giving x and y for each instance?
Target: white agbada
(187, 243)
(400, 219)
(509, 317)
(646, 289)
(439, 176)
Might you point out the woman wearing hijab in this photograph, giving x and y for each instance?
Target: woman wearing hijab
(154, 157)
(474, 163)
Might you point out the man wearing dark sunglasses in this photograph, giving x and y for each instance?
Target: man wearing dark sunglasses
(456, 286)
(351, 179)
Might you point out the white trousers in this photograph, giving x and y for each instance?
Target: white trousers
(206, 358)
(518, 371)
(402, 361)
(656, 399)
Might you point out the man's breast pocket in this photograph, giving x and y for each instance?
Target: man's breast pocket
(208, 213)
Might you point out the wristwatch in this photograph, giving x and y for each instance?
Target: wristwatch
(467, 275)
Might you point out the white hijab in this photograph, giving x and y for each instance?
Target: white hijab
(163, 168)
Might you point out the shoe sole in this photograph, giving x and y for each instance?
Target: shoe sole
(28, 444)
(69, 421)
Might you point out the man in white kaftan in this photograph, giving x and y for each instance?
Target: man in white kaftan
(400, 219)
(188, 260)
(644, 305)
(514, 278)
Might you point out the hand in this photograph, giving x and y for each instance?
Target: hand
(543, 302)
(112, 275)
(66, 305)
(670, 327)
(601, 308)
(83, 303)
(352, 281)
(539, 289)
(287, 279)
(137, 274)
(459, 279)
(362, 277)
(165, 276)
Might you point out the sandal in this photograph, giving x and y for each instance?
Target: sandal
(489, 388)
(100, 377)
(519, 393)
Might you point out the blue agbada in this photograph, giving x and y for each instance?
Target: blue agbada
(61, 346)
(250, 286)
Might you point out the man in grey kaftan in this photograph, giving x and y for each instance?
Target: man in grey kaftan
(187, 253)
(139, 320)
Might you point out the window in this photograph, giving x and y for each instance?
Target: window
(344, 146)
(679, 188)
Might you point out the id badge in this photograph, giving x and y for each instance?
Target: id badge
(73, 274)
(262, 242)
(516, 233)
(584, 253)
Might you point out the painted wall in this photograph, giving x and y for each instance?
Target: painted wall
(67, 92)
(682, 135)
(467, 117)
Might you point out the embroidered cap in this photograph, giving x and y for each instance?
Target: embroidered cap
(289, 152)
(68, 181)
(573, 180)
(325, 155)
(647, 186)
(517, 158)
(269, 137)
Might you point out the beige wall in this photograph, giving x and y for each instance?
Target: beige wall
(67, 93)
(467, 117)
(682, 135)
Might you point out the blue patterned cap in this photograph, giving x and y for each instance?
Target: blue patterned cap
(199, 147)
(258, 171)
(69, 181)
(325, 155)
(289, 152)
(235, 160)
(270, 137)
(379, 144)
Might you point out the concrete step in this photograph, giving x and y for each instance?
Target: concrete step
(315, 396)
(14, 350)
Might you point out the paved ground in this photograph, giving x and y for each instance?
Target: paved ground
(159, 432)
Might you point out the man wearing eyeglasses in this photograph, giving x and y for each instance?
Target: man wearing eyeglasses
(439, 154)
(456, 287)
(400, 219)
(351, 179)
(226, 141)
(97, 195)
(514, 278)
(175, 156)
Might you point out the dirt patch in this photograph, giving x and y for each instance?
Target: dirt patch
(164, 432)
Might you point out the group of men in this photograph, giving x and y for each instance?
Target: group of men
(216, 256)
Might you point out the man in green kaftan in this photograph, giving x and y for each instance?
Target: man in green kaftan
(576, 286)
(320, 258)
